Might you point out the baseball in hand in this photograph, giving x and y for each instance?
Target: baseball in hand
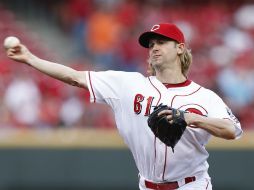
(11, 42)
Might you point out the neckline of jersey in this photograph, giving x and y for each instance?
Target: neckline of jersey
(182, 84)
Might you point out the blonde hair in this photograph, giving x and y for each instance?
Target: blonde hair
(186, 60)
(150, 70)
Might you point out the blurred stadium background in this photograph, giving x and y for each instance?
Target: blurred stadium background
(51, 137)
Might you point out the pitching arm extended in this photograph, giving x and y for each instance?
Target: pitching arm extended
(20, 53)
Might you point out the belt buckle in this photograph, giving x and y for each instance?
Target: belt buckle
(164, 186)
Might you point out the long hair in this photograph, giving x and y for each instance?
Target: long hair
(186, 60)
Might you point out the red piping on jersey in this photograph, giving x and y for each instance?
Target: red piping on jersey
(184, 95)
(156, 89)
(182, 84)
(164, 169)
(154, 135)
(154, 144)
(207, 184)
(90, 81)
(165, 161)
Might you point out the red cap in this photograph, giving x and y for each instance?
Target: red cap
(164, 29)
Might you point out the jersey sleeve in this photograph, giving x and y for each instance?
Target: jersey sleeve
(218, 109)
(104, 86)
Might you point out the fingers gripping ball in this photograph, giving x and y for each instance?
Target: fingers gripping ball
(168, 133)
(11, 42)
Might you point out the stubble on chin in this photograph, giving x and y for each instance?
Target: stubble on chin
(156, 63)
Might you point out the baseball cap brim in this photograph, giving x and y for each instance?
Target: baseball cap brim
(145, 38)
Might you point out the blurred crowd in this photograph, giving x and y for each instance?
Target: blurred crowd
(105, 34)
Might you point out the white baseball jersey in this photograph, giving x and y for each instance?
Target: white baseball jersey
(132, 97)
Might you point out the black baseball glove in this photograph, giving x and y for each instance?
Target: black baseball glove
(168, 132)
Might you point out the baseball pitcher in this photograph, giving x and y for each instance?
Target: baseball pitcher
(165, 119)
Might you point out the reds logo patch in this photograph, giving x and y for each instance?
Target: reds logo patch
(194, 108)
(155, 27)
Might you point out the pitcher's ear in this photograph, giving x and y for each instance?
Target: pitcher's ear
(180, 48)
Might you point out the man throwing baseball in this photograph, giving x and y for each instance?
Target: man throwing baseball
(165, 119)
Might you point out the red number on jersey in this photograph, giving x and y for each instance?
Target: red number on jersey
(137, 105)
(148, 106)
